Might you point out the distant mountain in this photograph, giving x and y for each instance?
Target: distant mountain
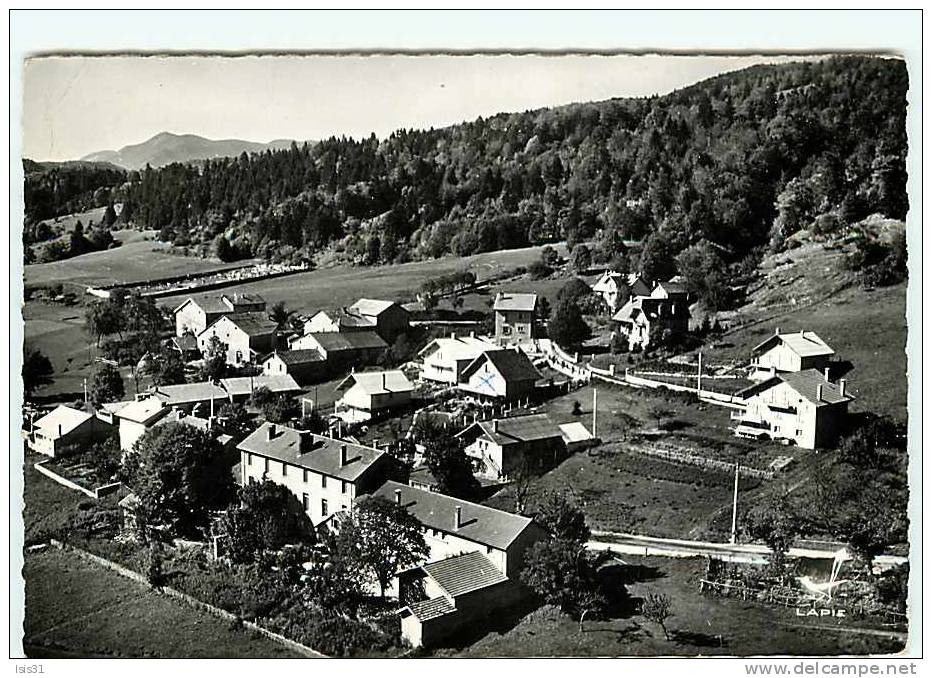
(166, 148)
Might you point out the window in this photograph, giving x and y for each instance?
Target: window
(284, 469)
(305, 475)
(323, 507)
(266, 465)
(323, 481)
(305, 501)
(488, 549)
(343, 486)
(249, 459)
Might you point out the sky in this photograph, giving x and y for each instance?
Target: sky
(73, 106)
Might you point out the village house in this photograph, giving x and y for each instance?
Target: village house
(803, 407)
(303, 365)
(790, 352)
(674, 289)
(241, 389)
(371, 395)
(325, 474)
(503, 446)
(387, 318)
(197, 397)
(444, 359)
(343, 349)
(643, 321)
(245, 335)
(616, 289)
(475, 556)
(515, 317)
(138, 417)
(452, 526)
(64, 429)
(196, 314)
(505, 374)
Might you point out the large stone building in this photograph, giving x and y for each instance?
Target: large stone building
(325, 474)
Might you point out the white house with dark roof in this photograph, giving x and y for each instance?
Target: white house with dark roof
(137, 417)
(502, 446)
(63, 428)
(803, 407)
(197, 396)
(505, 374)
(389, 317)
(303, 365)
(240, 389)
(369, 395)
(515, 317)
(196, 314)
(644, 320)
(616, 289)
(247, 336)
(325, 474)
(452, 526)
(790, 352)
(444, 358)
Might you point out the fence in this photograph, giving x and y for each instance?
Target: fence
(96, 493)
(190, 600)
(703, 462)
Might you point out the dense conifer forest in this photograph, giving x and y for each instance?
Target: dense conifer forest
(725, 168)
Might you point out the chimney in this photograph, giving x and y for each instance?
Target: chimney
(777, 331)
(59, 430)
(307, 442)
(842, 383)
(452, 335)
(472, 334)
(495, 426)
(827, 373)
(270, 432)
(458, 520)
(343, 455)
(818, 393)
(383, 381)
(398, 497)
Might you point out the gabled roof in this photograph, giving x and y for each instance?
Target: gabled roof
(464, 573)
(458, 348)
(347, 341)
(390, 381)
(221, 303)
(183, 394)
(508, 301)
(186, 342)
(253, 323)
(650, 308)
(672, 287)
(311, 451)
(513, 430)
(299, 356)
(806, 383)
(142, 411)
(574, 432)
(512, 364)
(480, 524)
(804, 344)
(608, 281)
(431, 608)
(344, 317)
(372, 307)
(276, 383)
(62, 418)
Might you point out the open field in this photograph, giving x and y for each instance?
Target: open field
(139, 257)
(342, 285)
(700, 626)
(807, 289)
(623, 491)
(78, 608)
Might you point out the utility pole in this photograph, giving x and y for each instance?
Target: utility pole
(734, 510)
(699, 375)
(595, 403)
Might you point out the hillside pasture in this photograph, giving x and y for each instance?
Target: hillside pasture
(139, 257)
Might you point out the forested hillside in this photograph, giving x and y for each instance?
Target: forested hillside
(56, 188)
(727, 166)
